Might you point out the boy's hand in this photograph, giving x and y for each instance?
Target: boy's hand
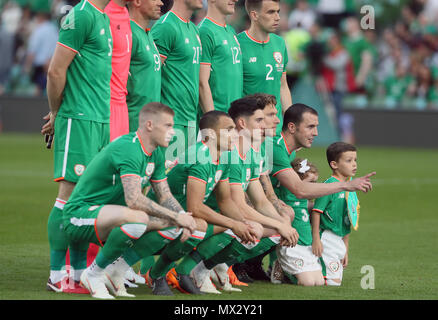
(361, 184)
(317, 248)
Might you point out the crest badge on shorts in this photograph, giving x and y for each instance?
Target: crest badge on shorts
(79, 169)
(150, 168)
(353, 208)
(334, 266)
(299, 263)
(278, 57)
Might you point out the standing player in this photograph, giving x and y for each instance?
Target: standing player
(108, 207)
(78, 90)
(122, 43)
(179, 45)
(265, 54)
(144, 81)
(220, 76)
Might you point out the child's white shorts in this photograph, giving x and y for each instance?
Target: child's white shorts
(297, 259)
(334, 251)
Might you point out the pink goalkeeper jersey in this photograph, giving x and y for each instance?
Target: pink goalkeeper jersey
(122, 44)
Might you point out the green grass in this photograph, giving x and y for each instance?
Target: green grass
(397, 228)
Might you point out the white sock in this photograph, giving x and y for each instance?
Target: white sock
(57, 275)
(95, 270)
(77, 274)
(201, 271)
(120, 266)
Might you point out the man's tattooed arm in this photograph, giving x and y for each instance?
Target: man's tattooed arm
(135, 199)
(283, 209)
(165, 197)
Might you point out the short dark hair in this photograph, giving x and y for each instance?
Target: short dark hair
(336, 149)
(245, 107)
(209, 120)
(295, 113)
(154, 108)
(265, 99)
(254, 5)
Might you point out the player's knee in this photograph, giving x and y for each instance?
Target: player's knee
(201, 225)
(135, 216)
(306, 282)
(319, 282)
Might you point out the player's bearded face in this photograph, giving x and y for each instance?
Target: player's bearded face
(226, 7)
(271, 120)
(307, 130)
(268, 17)
(194, 4)
(152, 8)
(163, 130)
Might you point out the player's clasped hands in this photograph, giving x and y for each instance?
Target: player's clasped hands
(245, 232)
(361, 184)
(186, 221)
(289, 236)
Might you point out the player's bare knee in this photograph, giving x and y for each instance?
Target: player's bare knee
(201, 224)
(258, 229)
(135, 216)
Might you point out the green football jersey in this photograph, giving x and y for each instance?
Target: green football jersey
(86, 31)
(101, 182)
(199, 167)
(280, 160)
(263, 66)
(334, 212)
(301, 221)
(144, 81)
(221, 50)
(243, 168)
(179, 43)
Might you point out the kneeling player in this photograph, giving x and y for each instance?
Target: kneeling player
(299, 264)
(108, 208)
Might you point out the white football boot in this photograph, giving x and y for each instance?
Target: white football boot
(115, 281)
(201, 278)
(95, 284)
(220, 277)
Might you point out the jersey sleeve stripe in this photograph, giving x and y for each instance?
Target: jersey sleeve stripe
(67, 47)
(159, 180)
(254, 179)
(195, 178)
(163, 56)
(236, 183)
(281, 171)
(227, 179)
(317, 210)
(206, 63)
(130, 175)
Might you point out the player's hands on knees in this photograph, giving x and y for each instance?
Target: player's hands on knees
(245, 232)
(186, 221)
(185, 235)
(289, 234)
(317, 248)
(361, 184)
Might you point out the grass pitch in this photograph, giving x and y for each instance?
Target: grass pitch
(397, 236)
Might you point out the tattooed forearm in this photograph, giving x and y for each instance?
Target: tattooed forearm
(136, 200)
(267, 187)
(165, 197)
(156, 223)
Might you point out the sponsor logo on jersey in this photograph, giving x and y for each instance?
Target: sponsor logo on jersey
(341, 196)
(218, 176)
(186, 40)
(150, 168)
(278, 57)
(248, 174)
(102, 31)
(225, 41)
(79, 169)
(252, 59)
(148, 48)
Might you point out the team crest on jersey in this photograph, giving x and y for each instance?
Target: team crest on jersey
(278, 57)
(218, 176)
(79, 169)
(299, 263)
(334, 266)
(150, 168)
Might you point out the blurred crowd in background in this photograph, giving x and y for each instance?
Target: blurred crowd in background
(358, 53)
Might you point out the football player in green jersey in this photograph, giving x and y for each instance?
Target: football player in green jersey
(78, 91)
(299, 263)
(144, 82)
(179, 45)
(192, 183)
(107, 206)
(264, 54)
(300, 128)
(331, 225)
(221, 59)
